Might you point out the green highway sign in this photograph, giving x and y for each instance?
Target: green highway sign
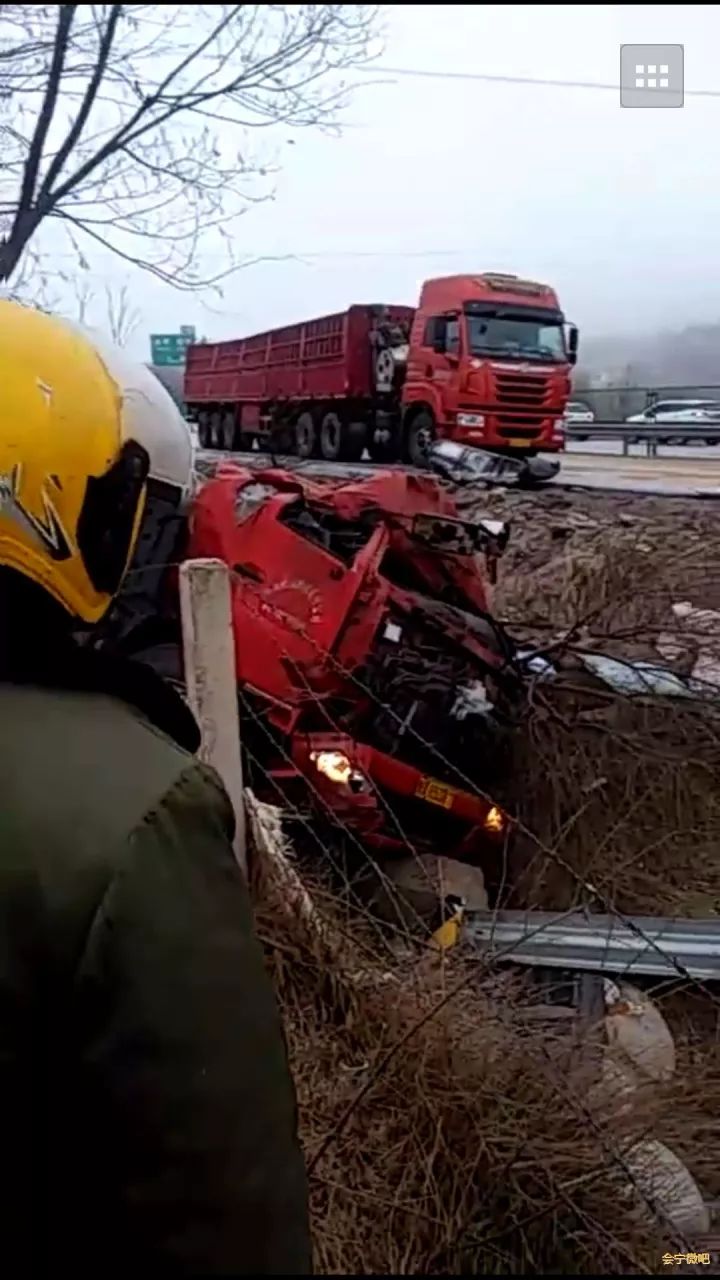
(171, 348)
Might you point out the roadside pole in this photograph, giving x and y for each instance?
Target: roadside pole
(209, 658)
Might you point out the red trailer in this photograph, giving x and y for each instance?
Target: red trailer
(484, 360)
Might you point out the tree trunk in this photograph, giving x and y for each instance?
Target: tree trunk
(11, 249)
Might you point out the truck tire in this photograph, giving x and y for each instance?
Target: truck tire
(341, 441)
(305, 436)
(419, 435)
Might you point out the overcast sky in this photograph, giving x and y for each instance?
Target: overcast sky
(618, 209)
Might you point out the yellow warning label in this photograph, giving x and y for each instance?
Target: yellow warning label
(435, 792)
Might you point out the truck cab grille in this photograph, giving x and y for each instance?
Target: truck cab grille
(522, 391)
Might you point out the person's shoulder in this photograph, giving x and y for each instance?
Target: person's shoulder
(93, 795)
(81, 718)
(80, 769)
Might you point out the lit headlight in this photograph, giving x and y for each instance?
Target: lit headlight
(495, 819)
(471, 419)
(335, 766)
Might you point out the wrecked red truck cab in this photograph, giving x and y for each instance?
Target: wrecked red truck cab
(369, 667)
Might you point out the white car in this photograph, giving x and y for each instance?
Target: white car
(575, 414)
(578, 412)
(697, 412)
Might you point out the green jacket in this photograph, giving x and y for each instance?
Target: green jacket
(147, 1117)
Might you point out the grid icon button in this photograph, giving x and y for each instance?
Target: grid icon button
(651, 75)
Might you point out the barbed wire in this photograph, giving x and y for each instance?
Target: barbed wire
(473, 787)
(483, 963)
(591, 889)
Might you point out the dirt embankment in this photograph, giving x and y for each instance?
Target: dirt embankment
(446, 1131)
(622, 791)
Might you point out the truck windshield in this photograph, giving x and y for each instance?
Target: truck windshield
(515, 336)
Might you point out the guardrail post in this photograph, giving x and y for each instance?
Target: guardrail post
(209, 657)
(649, 436)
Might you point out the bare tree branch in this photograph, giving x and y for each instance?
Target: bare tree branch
(90, 95)
(27, 217)
(84, 296)
(122, 317)
(115, 314)
(129, 124)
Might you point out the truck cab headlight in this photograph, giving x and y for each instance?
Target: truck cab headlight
(495, 819)
(337, 768)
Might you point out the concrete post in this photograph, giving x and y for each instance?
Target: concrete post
(209, 656)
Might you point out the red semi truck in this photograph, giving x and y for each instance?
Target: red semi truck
(484, 360)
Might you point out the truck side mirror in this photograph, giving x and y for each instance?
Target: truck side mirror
(440, 338)
(572, 344)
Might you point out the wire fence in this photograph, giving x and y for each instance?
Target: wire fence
(570, 1093)
(415, 1058)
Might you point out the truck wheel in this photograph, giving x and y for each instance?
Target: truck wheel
(341, 441)
(419, 435)
(305, 436)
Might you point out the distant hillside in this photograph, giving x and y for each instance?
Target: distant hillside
(688, 357)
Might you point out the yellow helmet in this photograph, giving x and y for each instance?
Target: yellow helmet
(81, 430)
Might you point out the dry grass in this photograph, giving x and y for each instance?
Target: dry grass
(446, 1133)
(627, 797)
(623, 790)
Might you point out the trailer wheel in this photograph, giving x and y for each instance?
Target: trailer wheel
(341, 441)
(305, 436)
(419, 435)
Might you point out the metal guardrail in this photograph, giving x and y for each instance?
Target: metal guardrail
(628, 433)
(602, 944)
(649, 434)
